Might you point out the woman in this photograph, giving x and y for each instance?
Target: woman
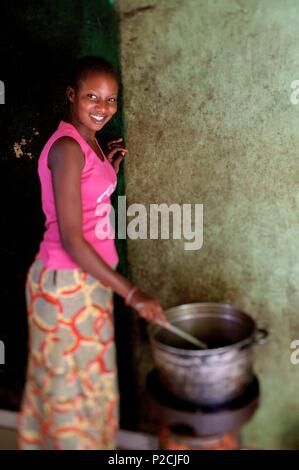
(71, 397)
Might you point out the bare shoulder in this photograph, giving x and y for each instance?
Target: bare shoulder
(65, 150)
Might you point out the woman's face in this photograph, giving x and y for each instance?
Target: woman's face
(94, 100)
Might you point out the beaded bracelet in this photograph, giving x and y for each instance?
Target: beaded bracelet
(130, 294)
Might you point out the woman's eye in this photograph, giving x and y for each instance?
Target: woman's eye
(112, 100)
(93, 97)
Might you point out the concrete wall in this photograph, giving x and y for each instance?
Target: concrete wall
(209, 120)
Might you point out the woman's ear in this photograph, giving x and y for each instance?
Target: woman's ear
(70, 93)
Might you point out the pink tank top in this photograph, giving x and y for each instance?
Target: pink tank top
(98, 181)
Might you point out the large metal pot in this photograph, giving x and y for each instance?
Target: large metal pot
(208, 376)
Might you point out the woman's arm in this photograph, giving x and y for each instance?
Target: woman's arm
(66, 162)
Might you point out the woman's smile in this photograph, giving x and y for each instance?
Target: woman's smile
(97, 118)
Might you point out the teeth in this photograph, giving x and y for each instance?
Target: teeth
(98, 118)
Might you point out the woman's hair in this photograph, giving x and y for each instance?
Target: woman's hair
(90, 63)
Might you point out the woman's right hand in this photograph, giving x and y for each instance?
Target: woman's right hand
(148, 307)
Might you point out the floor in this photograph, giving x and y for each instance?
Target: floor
(8, 439)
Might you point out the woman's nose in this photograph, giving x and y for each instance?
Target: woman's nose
(101, 107)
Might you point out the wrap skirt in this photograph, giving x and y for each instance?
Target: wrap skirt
(71, 398)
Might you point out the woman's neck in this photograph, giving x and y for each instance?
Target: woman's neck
(86, 133)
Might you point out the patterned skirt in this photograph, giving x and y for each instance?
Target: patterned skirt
(71, 393)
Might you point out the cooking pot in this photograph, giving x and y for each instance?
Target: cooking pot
(209, 376)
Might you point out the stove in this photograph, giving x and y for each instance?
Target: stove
(183, 425)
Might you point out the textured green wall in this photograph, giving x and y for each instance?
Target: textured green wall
(209, 120)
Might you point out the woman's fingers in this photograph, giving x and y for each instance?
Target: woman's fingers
(116, 150)
(159, 315)
(149, 308)
(114, 142)
(153, 313)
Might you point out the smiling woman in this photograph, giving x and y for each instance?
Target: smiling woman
(71, 393)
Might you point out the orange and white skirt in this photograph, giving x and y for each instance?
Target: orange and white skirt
(71, 394)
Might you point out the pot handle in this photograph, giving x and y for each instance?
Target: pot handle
(260, 337)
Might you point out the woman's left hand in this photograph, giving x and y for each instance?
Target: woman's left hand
(116, 148)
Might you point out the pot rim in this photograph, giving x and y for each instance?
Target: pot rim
(203, 352)
(248, 341)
